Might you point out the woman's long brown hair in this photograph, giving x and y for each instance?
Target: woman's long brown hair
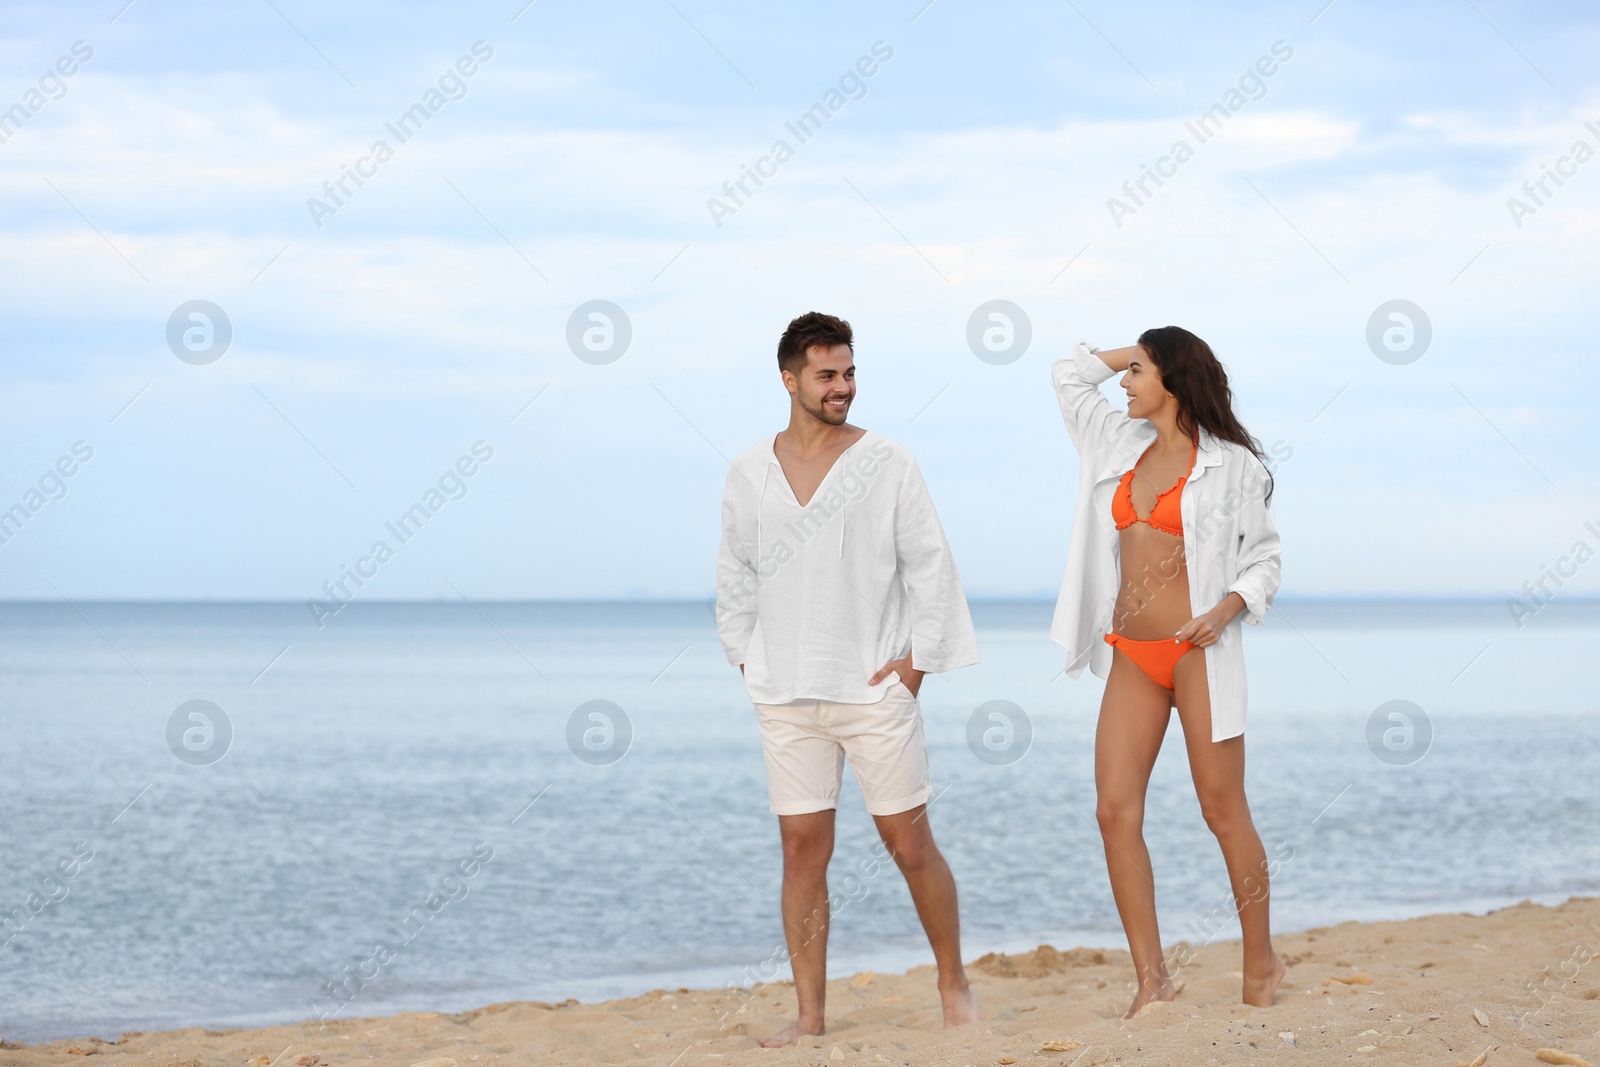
(1192, 373)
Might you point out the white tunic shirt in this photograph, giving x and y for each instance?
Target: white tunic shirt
(1229, 540)
(814, 600)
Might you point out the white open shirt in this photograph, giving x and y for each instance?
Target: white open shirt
(814, 600)
(1229, 540)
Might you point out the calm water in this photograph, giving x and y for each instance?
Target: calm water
(372, 757)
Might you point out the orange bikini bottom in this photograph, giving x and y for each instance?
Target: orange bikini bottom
(1155, 658)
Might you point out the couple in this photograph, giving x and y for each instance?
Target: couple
(836, 594)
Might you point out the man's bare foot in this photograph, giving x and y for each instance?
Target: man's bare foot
(960, 1006)
(1261, 989)
(1149, 993)
(792, 1033)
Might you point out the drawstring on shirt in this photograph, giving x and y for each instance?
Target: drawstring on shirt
(844, 505)
(844, 498)
(760, 500)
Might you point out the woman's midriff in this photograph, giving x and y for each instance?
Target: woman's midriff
(1153, 599)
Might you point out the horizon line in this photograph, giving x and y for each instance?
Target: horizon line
(1396, 599)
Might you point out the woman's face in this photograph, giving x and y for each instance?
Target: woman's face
(1142, 383)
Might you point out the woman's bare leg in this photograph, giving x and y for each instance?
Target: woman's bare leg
(1218, 772)
(1133, 720)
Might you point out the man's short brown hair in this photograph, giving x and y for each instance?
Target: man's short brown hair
(809, 330)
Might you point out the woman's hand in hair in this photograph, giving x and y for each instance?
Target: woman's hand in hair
(1203, 631)
(1117, 358)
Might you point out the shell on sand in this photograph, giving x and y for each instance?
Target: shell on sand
(1555, 1055)
(1349, 979)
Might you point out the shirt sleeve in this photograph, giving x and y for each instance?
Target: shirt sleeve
(942, 638)
(1260, 558)
(737, 579)
(1097, 428)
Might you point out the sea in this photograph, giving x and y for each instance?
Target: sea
(225, 815)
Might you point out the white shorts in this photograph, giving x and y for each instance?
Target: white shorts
(805, 744)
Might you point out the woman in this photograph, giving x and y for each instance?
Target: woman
(1171, 544)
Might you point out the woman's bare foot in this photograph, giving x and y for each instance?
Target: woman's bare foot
(1148, 993)
(792, 1033)
(1260, 988)
(960, 1006)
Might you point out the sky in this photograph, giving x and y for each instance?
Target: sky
(386, 337)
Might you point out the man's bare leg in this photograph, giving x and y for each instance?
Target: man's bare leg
(909, 839)
(807, 847)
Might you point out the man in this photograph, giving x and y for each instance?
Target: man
(836, 593)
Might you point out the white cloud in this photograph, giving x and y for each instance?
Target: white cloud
(407, 319)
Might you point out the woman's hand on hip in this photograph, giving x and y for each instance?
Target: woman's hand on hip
(1205, 630)
(1202, 631)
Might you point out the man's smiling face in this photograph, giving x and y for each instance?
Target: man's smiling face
(826, 385)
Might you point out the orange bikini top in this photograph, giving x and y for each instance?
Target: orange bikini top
(1165, 515)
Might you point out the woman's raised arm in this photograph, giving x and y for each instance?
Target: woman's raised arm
(1097, 428)
(1116, 358)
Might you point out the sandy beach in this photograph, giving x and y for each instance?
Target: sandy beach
(1516, 986)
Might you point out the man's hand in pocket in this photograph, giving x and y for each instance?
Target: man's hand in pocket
(909, 675)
